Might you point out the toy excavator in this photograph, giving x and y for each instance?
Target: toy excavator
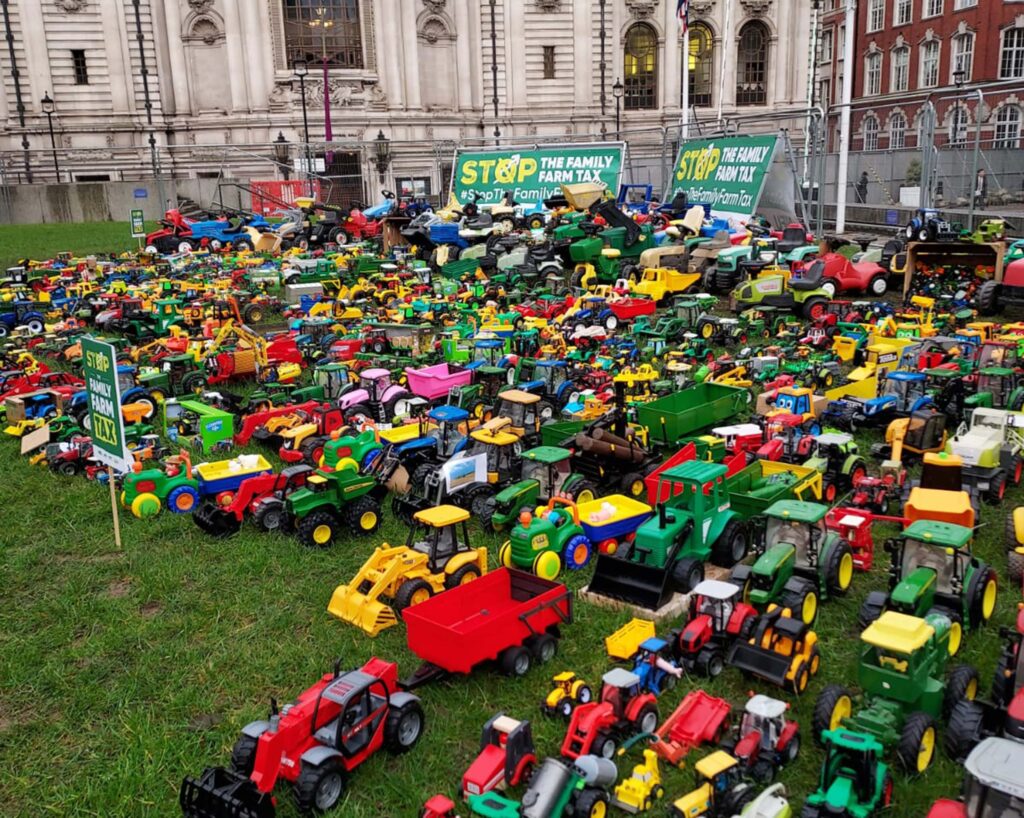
(237, 351)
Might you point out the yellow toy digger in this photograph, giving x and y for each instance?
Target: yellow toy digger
(436, 556)
(639, 792)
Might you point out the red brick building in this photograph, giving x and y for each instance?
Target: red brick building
(906, 51)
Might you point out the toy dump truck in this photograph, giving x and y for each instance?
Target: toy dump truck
(695, 524)
(902, 676)
(691, 410)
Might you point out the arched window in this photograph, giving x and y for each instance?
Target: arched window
(929, 76)
(1011, 54)
(702, 65)
(961, 65)
(958, 126)
(897, 131)
(873, 74)
(752, 65)
(640, 68)
(307, 38)
(900, 79)
(870, 128)
(1008, 127)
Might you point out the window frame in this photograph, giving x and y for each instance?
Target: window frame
(953, 56)
(927, 6)
(874, 131)
(959, 125)
(640, 95)
(924, 49)
(903, 5)
(1018, 48)
(873, 64)
(759, 96)
(80, 66)
(1004, 141)
(960, 5)
(827, 36)
(902, 118)
(548, 62)
(904, 51)
(876, 15)
(708, 58)
(346, 34)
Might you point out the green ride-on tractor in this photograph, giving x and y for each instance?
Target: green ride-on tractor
(695, 524)
(546, 473)
(933, 570)
(905, 692)
(178, 376)
(854, 781)
(799, 560)
(799, 296)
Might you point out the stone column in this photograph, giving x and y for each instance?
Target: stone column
(37, 57)
(255, 49)
(237, 73)
(586, 56)
(407, 54)
(119, 63)
(389, 46)
(181, 104)
(463, 57)
(672, 73)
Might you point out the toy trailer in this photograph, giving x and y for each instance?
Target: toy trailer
(507, 615)
(699, 719)
(204, 427)
(763, 482)
(433, 382)
(690, 410)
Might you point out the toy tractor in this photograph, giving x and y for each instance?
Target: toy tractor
(838, 459)
(802, 296)
(799, 560)
(854, 780)
(765, 740)
(567, 691)
(928, 225)
(901, 673)
(314, 744)
(546, 542)
(436, 556)
(624, 710)
(333, 502)
(559, 789)
(991, 787)
(933, 570)
(721, 791)
(261, 497)
(657, 673)
(991, 451)
(546, 473)
(694, 524)
(716, 618)
(506, 758)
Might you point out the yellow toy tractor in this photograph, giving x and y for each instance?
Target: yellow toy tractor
(567, 691)
(436, 556)
(721, 791)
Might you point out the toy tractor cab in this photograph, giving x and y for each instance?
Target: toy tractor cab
(545, 474)
(765, 740)
(721, 791)
(716, 617)
(992, 786)
(525, 412)
(854, 780)
(933, 570)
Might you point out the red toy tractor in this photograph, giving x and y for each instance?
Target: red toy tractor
(717, 616)
(313, 743)
(624, 710)
(836, 274)
(261, 497)
(506, 757)
(765, 739)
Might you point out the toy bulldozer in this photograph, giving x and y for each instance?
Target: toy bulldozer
(435, 557)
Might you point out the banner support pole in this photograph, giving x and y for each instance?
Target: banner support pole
(113, 508)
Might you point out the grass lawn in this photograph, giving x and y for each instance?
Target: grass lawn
(42, 241)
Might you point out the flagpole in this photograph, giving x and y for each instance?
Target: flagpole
(685, 114)
(727, 38)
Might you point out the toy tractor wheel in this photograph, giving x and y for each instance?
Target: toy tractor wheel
(592, 803)
(792, 749)
(872, 608)
(319, 787)
(1015, 566)
(478, 504)
(706, 330)
(547, 565)
(146, 505)
(577, 552)
(814, 308)
(604, 746)
(763, 772)
(565, 707)
(312, 450)
(363, 515)
(583, 492)
(981, 595)
(412, 592)
(731, 545)
(252, 314)
(403, 728)
(834, 706)
(987, 298)
(269, 515)
(956, 629)
(516, 661)
(961, 686)
(319, 529)
(996, 489)
(839, 570)
(182, 500)
(535, 223)
(67, 469)
(647, 719)
(924, 233)
(802, 602)
(193, 383)
(916, 748)
(814, 663)
(633, 484)
(829, 492)
(462, 576)
(243, 755)
(801, 678)
(963, 730)
(687, 574)
(505, 555)
(829, 287)
(878, 285)
(711, 663)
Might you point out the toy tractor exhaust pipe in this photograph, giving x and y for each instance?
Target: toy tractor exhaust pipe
(216, 521)
(221, 793)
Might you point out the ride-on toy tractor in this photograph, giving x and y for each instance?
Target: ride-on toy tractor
(623, 710)
(559, 789)
(799, 560)
(314, 744)
(437, 555)
(721, 790)
(901, 673)
(854, 780)
(933, 570)
(802, 296)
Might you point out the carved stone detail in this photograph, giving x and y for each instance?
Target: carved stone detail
(435, 5)
(549, 5)
(642, 9)
(70, 6)
(200, 5)
(701, 8)
(756, 8)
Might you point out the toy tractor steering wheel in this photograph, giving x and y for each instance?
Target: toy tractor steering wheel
(387, 194)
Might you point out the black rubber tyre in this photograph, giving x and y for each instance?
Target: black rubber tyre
(872, 608)
(408, 592)
(913, 740)
(581, 488)
(586, 805)
(604, 745)
(243, 755)
(962, 686)
(647, 719)
(687, 573)
(829, 698)
(478, 504)
(252, 314)
(711, 663)
(797, 602)
(269, 515)
(467, 573)
(987, 299)
(311, 528)
(516, 661)
(976, 607)
(320, 787)
(403, 727)
(763, 771)
(964, 729)
(67, 468)
(363, 515)
(833, 575)
(731, 546)
(418, 478)
(633, 485)
(996, 489)
(544, 647)
(312, 450)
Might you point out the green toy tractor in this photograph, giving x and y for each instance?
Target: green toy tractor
(799, 296)
(901, 673)
(546, 473)
(933, 570)
(694, 524)
(333, 503)
(854, 781)
(178, 376)
(547, 542)
(799, 560)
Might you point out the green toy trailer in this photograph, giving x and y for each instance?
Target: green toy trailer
(205, 428)
(799, 560)
(854, 781)
(764, 482)
(690, 410)
(901, 674)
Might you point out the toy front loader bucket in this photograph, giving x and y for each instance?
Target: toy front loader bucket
(216, 521)
(764, 664)
(642, 585)
(370, 615)
(221, 793)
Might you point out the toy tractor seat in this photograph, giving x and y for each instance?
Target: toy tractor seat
(793, 236)
(809, 282)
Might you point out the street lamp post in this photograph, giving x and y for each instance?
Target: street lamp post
(958, 77)
(301, 69)
(382, 157)
(282, 149)
(617, 91)
(48, 108)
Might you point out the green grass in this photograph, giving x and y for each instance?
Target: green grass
(43, 241)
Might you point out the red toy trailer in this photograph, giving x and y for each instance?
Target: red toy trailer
(251, 422)
(507, 615)
(506, 757)
(699, 719)
(628, 309)
(328, 731)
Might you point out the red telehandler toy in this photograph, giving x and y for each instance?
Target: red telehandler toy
(313, 743)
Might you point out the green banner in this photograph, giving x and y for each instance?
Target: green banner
(534, 175)
(138, 224)
(728, 173)
(100, 372)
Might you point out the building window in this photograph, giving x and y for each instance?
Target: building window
(900, 79)
(825, 46)
(876, 15)
(932, 8)
(963, 58)
(929, 65)
(958, 127)
(752, 65)
(870, 128)
(903, 12)
(825, 93)
(964, 4)
(549, 62)
(416, 187)
(1008, 127)
(873, 75)
(1011, 56)
(897, 132)
(842, 42)
(640, 68)
(702, 65)
(80, 68)
(340, 41)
